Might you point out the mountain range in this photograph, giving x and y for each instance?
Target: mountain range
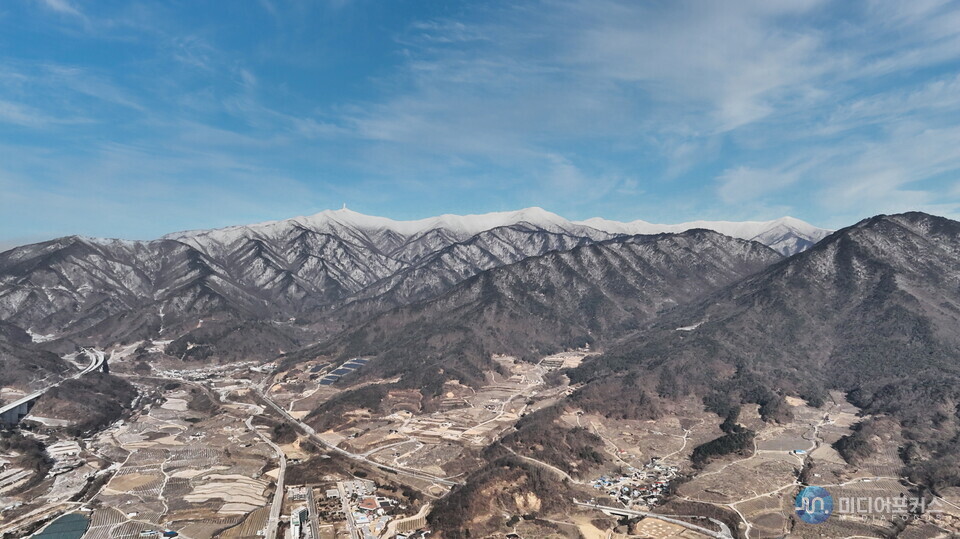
(787, 235)
(544, 304)
(86, 290)
(728, 313)
(873, 311)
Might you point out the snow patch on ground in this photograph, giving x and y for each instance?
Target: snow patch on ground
(36, 337)
(690, 328)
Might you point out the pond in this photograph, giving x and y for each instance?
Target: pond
(70, 526)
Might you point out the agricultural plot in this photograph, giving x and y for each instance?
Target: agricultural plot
(177, 476)
(250, 527)
(884, 463)
(131, 481)
(761, 486)
(210, 527)
(111, 523)
(432, 442)
(881, 499)
(433, 458)
(392, 454)
(564, 360)
(239, 493)
(634, 443)
(766, 513)
(838, 527)
(785, 439)
(744, 479)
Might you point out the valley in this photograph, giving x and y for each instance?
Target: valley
(598, 386)
(193, 458)
(402, 437)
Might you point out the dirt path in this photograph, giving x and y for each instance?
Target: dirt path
(552, 468)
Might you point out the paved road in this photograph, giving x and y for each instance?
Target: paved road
(273, 522)
(345, 504)
(723, 534)
(314, 518)
(355, 456)
(96, 361)
(391, 530)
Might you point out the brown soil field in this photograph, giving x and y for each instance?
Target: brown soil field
(132, 481)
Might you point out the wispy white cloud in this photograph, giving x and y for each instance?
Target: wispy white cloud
(64, 7)
(783, 99)
(17, 114)
(27, 116)
(744, 183)
(684, 109)
(82, 81)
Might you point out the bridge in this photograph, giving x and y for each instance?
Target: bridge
(11, 414)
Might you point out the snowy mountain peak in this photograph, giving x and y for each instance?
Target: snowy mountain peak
(463, 226)
(788, 235)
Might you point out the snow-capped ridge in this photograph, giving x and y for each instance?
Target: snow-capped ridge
(466, 224)
(327, 220)
(788, 235)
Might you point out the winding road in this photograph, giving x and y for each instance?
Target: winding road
(560, 473)
(15, 411)
(724, 532)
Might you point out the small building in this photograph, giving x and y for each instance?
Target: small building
(297, 521)
(369, 504)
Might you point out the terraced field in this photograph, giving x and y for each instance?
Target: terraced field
(178, 474)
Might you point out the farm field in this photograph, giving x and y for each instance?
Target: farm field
(193, 472)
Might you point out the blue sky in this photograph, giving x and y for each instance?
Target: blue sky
(132, 119)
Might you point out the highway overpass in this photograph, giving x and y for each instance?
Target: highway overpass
(11, 414)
